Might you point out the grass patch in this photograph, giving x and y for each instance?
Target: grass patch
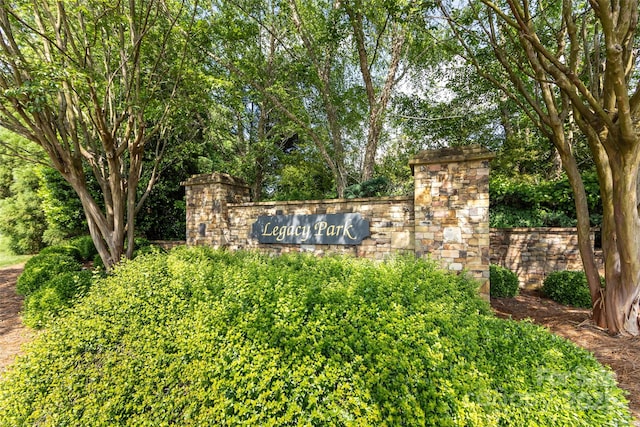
(7, 258)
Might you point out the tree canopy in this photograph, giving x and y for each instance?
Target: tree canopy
(96, 85)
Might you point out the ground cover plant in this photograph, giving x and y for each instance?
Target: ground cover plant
(201, 337)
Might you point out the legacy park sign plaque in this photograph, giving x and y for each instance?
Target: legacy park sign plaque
(325, 229)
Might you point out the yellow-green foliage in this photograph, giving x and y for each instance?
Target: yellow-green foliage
(51, 282)
(59, 293)
(204, 338)
(42, 268)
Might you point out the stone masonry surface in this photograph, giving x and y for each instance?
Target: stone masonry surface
(533, 253)
(447, 218)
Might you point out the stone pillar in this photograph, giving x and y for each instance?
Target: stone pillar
(451, 203)
(207, 198)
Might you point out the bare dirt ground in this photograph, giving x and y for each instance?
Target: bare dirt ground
(622, 354)
(12, 332)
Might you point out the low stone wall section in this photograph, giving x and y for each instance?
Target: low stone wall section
(167, 245)
(533, 253)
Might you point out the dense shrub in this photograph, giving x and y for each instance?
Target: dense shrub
(97, 262)
(37, 206)
(568, 288)
(22, 220)
(70, 250)
(374, 187)
(146, 250)
(61, 205)
(533, 202)
(41, 268)
(504, 282)
(53, 280)
(200, 337)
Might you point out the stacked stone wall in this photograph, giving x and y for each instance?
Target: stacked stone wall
(208, 198)
(446, 219)
(533, 253)
(452, 209)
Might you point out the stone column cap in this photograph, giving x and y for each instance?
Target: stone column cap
(451, 155)
(214, 178)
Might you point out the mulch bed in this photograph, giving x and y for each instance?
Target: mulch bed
(622, 354)
(13, 334)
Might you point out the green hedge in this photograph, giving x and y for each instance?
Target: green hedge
(198, 337)
(84, 244)
(504, 282)
(53, 280)
(568, 288)
(59, 293)
(69, 250)
(42, 268)
(529, 201)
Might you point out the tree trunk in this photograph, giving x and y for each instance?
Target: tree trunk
(135, 169)
(622, 249)
(584, 235)
(371, 148)
(377, 102)
(259, 171)
(103, 235)
(322, 66)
